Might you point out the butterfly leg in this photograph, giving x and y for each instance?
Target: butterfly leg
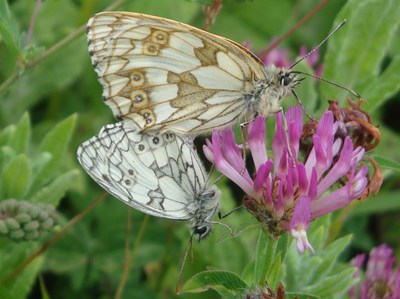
(243, 135)
(309, 115)
(188, 248)
(286, 129)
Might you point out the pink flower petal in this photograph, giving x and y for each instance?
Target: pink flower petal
(339, 169)
(243, 181)
(257, 141)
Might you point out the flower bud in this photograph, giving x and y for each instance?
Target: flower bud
(23, 220)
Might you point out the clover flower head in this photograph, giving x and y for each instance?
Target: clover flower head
(287, 191)
(381, 279)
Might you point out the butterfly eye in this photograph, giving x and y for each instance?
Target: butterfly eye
(286, 79)
(201, 231)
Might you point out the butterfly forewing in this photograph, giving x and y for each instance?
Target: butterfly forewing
(164, 75)
(159, 174)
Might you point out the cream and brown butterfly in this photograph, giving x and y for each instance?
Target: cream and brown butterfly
(163, 75)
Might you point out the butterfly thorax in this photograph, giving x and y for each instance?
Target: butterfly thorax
(207, 207)
(269, 91)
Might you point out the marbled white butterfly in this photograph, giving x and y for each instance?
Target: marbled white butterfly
(159, 174)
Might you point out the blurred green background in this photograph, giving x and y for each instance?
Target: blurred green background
(87, 261)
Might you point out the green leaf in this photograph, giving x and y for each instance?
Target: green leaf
(270, 258)
(203, 2)
(5, 294)
(215, 279)
(307, 271)
(329, 256)
(260, 263)
(11, 255)
(43, 289)
(6, 135)
(6, 155)
(318, 232)
(39, 162)
(52, 193)
(55, 142)
(45, 80)
(337, 284)
(385, 163)
(16, 177)
(22, 285)
(22, 135)
(292, 265)
(224, 293)
(283, 245)
(385, 201)
(354, 55)
(273, 273)
(291, 295)
(384, 86)
(248, 272)
(9, 29)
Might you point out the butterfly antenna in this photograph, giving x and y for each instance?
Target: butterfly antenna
(188, 246)
(354, 93)
(220, 216)
(319, 45)
(209, 175)
(217, 179)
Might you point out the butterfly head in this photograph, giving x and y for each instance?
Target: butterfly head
(288, 79)
(201, 232)
(279, 83)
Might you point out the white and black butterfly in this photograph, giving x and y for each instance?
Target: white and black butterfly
(159, 174)
(159, 74)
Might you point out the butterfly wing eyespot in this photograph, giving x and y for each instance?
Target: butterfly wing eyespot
(158, 74)
(157, 173)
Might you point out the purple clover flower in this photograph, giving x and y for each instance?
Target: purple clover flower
(287, 193)
(381, 281)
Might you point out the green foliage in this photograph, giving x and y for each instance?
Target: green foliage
(37, 155)
(22, 162)
(228, 281)
(315, 276)
(356, 53)
(15, 177)
(9, 29)
(387, 164)
(28, 174)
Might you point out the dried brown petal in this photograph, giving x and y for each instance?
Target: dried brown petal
(357, 123)
(375, 182)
